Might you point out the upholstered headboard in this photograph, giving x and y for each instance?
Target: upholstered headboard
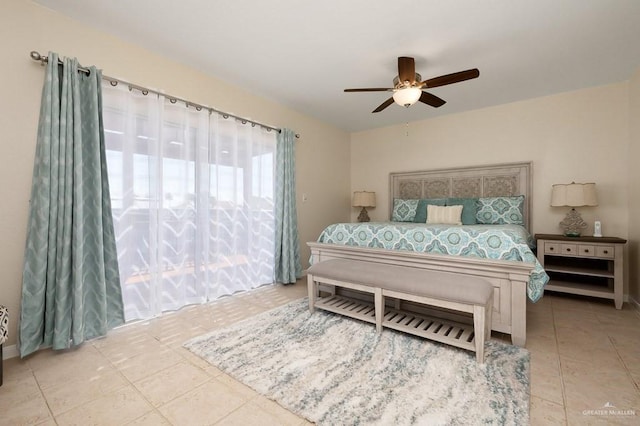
(465, 182)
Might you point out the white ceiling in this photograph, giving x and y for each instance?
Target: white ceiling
(304, 53)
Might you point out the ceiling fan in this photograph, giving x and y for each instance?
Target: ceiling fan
(407, 87)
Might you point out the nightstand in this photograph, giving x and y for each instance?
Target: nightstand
(588, 266)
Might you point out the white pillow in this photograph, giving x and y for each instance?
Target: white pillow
(450, 215)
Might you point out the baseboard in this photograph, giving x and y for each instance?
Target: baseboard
(634, 303)
(10, 352)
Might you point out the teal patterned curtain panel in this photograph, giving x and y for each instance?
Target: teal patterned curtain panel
(287, 256)
(71, 285)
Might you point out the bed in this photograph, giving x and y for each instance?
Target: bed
(501, 253)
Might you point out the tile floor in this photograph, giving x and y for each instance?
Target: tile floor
(584, 354)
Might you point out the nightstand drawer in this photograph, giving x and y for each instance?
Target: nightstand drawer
(586, 250)
(568, 248)
(605, 251)
(551, 248)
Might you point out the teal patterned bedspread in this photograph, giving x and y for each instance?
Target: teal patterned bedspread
(506, 242)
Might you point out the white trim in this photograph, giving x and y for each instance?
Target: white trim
(633, 302)
(10, 352)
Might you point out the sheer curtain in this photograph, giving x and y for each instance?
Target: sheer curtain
(192, 197)
(241, 209)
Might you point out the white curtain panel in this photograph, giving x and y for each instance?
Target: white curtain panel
(192, 196)
(241, 232)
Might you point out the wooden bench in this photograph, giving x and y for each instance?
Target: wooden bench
(463, 293)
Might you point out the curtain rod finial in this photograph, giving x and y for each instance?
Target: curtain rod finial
(35, 56)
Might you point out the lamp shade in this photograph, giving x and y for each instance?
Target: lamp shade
(574, 195)
(408, 96)
(364, 199)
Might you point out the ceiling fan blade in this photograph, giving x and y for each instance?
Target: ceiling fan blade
(456, 77)
(433, 100)
(406, 69)
(369, 89)
(384, 105)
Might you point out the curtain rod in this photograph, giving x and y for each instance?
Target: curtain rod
(36, 56)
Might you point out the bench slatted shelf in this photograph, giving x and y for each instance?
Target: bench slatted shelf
(437, 329)
(348, 307)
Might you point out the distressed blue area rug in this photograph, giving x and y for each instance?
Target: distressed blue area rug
(335, 370)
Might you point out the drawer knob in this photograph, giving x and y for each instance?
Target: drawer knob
(606, 251)
(550, 248)
(586, 250)
(568, 249)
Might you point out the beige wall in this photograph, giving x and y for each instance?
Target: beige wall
(634, 187)
(322, 154)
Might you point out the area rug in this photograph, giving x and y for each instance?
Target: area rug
(335, 370)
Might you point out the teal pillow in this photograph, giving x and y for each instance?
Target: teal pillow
(421, 211)
(469, 209)
(404, 210)
(501, 210)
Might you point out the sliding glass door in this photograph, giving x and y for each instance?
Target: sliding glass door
(192, 198)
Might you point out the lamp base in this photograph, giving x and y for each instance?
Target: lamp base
(571, 234)
(573, 224)
(364, 216)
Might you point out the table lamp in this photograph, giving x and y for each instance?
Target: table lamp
(573, 195)
(364, 199)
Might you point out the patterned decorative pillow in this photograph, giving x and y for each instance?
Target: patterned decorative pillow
(469, 209)
(404, 210)
(4, 325)
(444, 215)
(421, 212)
(501, 210)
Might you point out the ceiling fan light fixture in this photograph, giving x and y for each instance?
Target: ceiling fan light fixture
(407, 96)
